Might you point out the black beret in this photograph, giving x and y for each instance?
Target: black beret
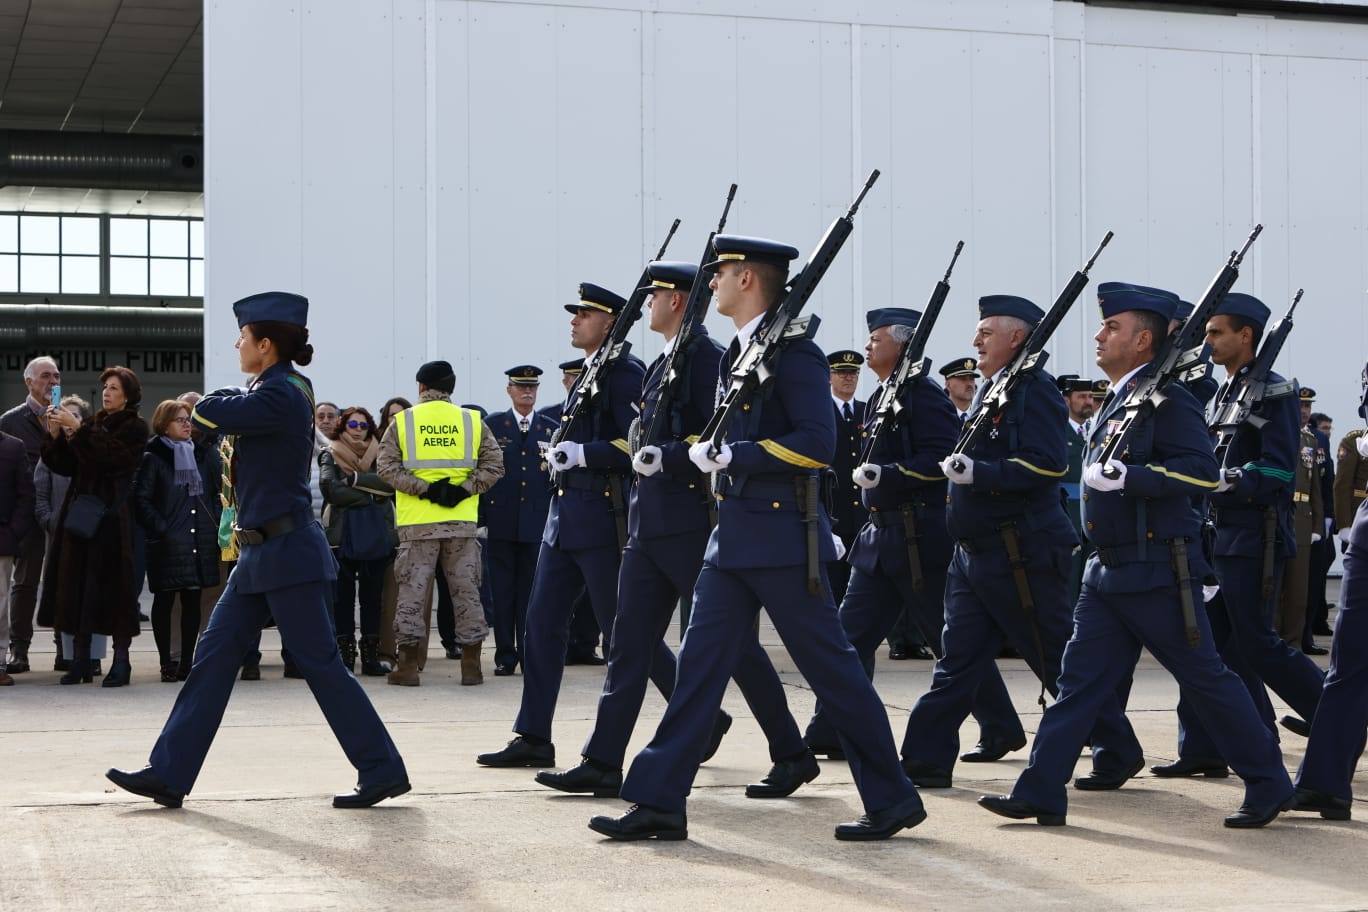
(437, 375)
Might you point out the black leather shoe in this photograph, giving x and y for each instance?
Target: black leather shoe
(1296, 725)
(786, 777)
(95, 670)
(58, 664)
(926, 776)
(829, 751)
(503, 671)
(897, 653)
(364, 796)
(642, 822)
(1180, 768)
(453, 651)
(720, 729)
(292, 671)
(992, 751)
(584, 657)
(1314, 650)
(1108, 780)
(1007, 806)
(120, 674)
(19, 664)
(880, 825)
(1328, 806)
(250, 673)
(146, 783)
(922, 653)
(1322, 629)
(521, 752)
(589, 778)
(78, 672)
(1253, 816)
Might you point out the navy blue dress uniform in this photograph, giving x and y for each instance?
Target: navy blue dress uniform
(285, 571)
(1203, 387)
(847, 510)
(1242, 622)
(669, 524)
(1015, 487)
(757, 555)
(514, 512)
(960, 367)
(579, 547)
(882, 580)
(1131, 599)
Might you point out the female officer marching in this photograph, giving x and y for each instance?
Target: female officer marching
(285, 570)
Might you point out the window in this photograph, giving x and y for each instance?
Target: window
(50, 254)
(163, 257)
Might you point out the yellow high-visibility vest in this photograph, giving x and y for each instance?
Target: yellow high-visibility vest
(437, 439)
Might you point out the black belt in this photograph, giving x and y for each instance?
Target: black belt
(982, 544)
(584, 481)
(1120, 555)
(272, 528)
(890, 517)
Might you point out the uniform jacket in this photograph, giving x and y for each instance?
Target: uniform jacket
(515, 508)
(1070, 489)
(848, 512)
(1169, 464)
(1017, 468)
(581, 514)
(786, 435)
(1351, 477)
(908, 457)
(1327, 476)
(554, 412)
(1268, 456)
(675, 499)
(16, 495)
(182, 531)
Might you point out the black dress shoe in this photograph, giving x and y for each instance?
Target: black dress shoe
(882, 824)
(1108, 780)
(78, 672)
(20, 665)
(642, 822)
(292, 671)
(503, 671)
(250, 673)
(1322, 629)
(1296, 725)
(926, 776)
(364, 796)
(521, 752)
(120, 673)
(829, 751)
(589, 778)
(1328, 806)
(720, 729)
(786, 777)
(95, 670)
(584, 657)
(146, 783)
(453, 651)
(1181, 768)
(992, 751)
(58, 664)
(1253, 816)
(897, 653)
(1007, 806)
(922, 653)
(1314, 650)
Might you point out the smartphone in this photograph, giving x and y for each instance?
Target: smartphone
(56, 394)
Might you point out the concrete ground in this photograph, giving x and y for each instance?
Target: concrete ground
(259, 833)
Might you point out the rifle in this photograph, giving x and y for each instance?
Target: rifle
(911, 365)
(1240, 404)
(697, 305)
(614, 347)
(1179, 353)
(754, 368)
(1029, 357)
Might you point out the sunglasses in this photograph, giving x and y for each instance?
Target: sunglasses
(357, 425)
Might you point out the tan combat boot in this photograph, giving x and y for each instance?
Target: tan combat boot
(406, 672)
(470, 664)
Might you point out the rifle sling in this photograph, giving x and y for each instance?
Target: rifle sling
(1270, 541)
(1183, 573)
(914, 569)
(1012, 542)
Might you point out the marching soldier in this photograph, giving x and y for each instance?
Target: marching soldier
(847, 512)
(581, 544)
(1308, 524)
(668, 527)
(1143, 586)
(758, 555)
(900, 556)
(514, 512)
(961, 382)
(1008, 578)
(1078, 396)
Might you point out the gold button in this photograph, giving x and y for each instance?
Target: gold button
(775, 505)
(746, 407)
(560, 491)
(1090, 525)
(523, 483)
(606, 494)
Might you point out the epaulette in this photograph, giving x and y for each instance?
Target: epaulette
(804, 327)
(1280, 390)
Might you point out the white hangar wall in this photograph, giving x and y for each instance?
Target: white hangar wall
(438, 175)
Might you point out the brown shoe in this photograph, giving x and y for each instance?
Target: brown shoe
(5, 679)
(470, 664)
(406, 673)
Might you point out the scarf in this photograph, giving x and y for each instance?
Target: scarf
(354, 457)
(187, 470)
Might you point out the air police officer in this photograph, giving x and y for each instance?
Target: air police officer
(847, 513)
(285, 570)
(758, 555)
(1143, 586)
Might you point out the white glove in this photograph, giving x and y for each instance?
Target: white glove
(647, 461)
(1361, 442)
(1095, 477)
(962, 476)
(698, 455)
(1329, 523)
(1343, 536)
(867, 476)
(840, 545)
(1315, 537)
(1209, 592)
(1229, 479)
(567, 455)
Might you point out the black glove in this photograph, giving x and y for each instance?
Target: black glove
(443, 493)
(434, 491)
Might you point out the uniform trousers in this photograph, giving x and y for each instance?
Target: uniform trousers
(655, 574)
(725, 609)
(303, 615)
(560, 577)
(982, 611)
(1337, 735)
(1108, 633)
(512, 567)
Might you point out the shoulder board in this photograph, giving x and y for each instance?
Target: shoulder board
(1280, 390)
(802, 328)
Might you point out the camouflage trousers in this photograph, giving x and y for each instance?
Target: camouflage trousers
(415, 566)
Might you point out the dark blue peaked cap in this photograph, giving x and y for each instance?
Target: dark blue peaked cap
(573, 366)
(1119, 297)
(670, 275)
(845, 360)
(1009, 306)
(1246, 307)
(524, 375)
(730, 248)
(960, 367)
(1183, 310)
(272, 307)
(596, 297)
(892, 316)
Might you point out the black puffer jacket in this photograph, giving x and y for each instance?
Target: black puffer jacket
(182, 531)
